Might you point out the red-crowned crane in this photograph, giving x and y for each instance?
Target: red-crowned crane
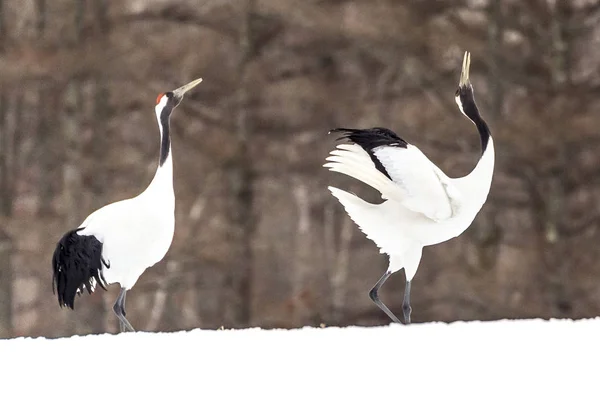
(422, 206)
(118, 242)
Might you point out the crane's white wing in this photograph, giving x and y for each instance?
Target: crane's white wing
(413, 179)
(375, 221)
(428, 189)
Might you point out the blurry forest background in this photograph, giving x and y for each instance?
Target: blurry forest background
(259, 240)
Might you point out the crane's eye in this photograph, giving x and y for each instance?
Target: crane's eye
(457, 92)
(160, 96)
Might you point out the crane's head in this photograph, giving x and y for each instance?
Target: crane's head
(169, 100)
(464, 96)
(465, 99)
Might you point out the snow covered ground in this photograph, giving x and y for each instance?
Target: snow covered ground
(514, 359)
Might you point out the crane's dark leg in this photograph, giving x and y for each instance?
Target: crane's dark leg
(406, 309)
(123, 297)
(119, 310)
(374, 295)
(122, 325)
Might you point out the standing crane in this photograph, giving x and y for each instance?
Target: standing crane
(118, 242)
(422, 206)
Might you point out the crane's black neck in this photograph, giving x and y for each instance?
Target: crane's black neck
(484, 133)
(472, 112)
(165, 142)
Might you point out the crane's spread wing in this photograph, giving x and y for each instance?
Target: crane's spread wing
(398, 170)
(427, 189)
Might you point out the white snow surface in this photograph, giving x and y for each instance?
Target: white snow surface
(497, 359)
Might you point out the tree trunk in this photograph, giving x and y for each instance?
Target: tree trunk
(241, 176)
(496, 41)
(40, 25)
(555, 199)
(6, 285)
(2, 26)
(339, 260)
(6, 201)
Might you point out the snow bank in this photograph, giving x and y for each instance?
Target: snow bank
(515, 359)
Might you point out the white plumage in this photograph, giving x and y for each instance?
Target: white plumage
(135, 235)
(422, 206)
(136, 232)
(118, 242)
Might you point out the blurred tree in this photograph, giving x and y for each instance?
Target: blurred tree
(8, 152)
(241, 175)
(259, 239)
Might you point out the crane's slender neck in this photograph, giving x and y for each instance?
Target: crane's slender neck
(472, 112)
(484, 133)
(479, 180)
(163, 179)
(481, 176)
(165, 136)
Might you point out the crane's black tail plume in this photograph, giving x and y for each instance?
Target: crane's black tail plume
(77, 264)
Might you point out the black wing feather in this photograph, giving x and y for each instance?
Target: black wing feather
(76, 262)
(372, 138)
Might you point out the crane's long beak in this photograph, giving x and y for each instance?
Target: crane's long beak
(183, 89)
(464, 74)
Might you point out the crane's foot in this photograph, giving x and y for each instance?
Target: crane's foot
(125, 326)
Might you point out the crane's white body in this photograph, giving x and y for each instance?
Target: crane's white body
(137, 232)
(422, 206)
